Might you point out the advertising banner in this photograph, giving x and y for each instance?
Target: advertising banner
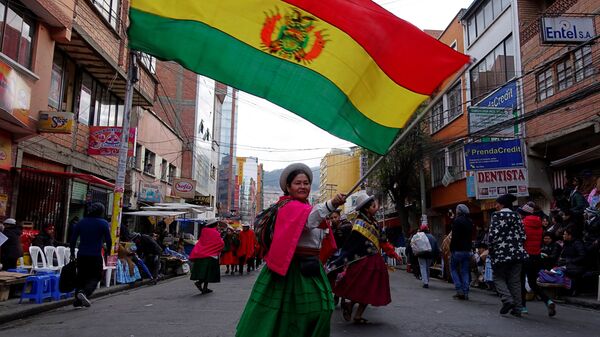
(55, 122)
(494, 183)
(106, 141)
(567, 29)
(494, 155)
(15, 94)
(184, 188)
(496, 108)
(149, 192)
(5, 153)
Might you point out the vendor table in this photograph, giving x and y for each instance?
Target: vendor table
(8, 279)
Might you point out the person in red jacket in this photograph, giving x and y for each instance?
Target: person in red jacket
(245, 251)
(533, 264)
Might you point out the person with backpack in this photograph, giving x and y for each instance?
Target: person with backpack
(426, 248)
(365, 280)
(291, 296)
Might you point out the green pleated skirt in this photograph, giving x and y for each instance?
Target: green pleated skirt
(288, 306)
(206, 270)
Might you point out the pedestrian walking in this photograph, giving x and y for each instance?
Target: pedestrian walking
(92, 231)
(205, 257)
(507, 253)
(533, 263)
(229, 254)
(291, 296)
(365, 280)
(12, 249)
(460, 250)
(426, 257)
(245, 251)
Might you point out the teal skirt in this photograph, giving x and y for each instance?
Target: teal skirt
(206, 270)
(288, 306)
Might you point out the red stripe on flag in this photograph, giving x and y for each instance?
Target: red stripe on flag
(411, 58)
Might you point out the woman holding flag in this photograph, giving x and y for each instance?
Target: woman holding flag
(365, 280)
(292, 297)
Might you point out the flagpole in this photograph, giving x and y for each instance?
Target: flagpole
(119, 190)
(415, 122)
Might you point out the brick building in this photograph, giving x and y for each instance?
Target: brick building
(561, 93)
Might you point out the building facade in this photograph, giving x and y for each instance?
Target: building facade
(226, 139)
(339, 171)
(63, 62)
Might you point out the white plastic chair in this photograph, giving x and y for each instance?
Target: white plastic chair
(38, 260)
(60, 256)
(108, 272)
(67, 256)
(50, 252)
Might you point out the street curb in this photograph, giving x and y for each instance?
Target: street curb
(580, 303)
(47, 306)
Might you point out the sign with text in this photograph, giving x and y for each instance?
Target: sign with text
(15, 94)
(184, 188)
(202, 200)
(106, 141)
(567, 29)
(494, 183)
(494, 155)
(149, 192)
(5, 152)
(55, 122)
(483, 118)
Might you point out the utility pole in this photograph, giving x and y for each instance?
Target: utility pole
(132, 78)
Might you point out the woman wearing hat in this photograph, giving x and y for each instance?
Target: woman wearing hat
(292, 297)
(229, 256)
(366, 280)
(205, 257)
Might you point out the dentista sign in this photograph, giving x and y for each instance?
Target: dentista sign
(567, 29)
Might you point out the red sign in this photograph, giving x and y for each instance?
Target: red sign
(106, 141)
(184, 188)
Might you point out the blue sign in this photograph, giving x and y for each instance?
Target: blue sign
(494, 155)
(505, 97)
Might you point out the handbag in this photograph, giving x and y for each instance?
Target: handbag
(68, 277)
(310, 266)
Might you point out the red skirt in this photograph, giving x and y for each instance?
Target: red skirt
(229, 258)
(366, 281)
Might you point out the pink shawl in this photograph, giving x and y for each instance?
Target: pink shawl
(210, 244)
(289, 223)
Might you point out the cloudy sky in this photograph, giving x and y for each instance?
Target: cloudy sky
(278, 137)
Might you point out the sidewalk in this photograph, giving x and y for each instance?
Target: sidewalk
(589, 301)
(11, 310)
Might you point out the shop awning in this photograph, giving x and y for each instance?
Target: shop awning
(81, 176)
(155, 213)
(177, 207)
(590, 154)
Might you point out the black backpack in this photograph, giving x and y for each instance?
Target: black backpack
(264, 224)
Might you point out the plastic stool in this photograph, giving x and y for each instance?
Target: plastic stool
(40, 288)
(18, 270)
(56, 294)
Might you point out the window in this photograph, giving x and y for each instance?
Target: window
(149, 160)
(149, 62)
(164, 169)
(454, 102)
(583, 63)
(457, 161)
(494, 70)
(485, 15)
(109, 10)
(437, 116)
(172, 173)
(564, 74)
(438, 168)
(545, 84)
(17, 29)
(139, 156)
(97, 105)
(56, 80)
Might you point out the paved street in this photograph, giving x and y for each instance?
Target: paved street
(175, 308)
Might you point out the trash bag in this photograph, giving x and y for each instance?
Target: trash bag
(68, 277)
(420, 244)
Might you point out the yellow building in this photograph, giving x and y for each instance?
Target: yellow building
(340, 170)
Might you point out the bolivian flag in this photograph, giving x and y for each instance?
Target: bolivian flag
(347, 66)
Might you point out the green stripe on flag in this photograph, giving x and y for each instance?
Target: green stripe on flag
(212, 53)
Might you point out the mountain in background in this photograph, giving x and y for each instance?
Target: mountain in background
(271, 178)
